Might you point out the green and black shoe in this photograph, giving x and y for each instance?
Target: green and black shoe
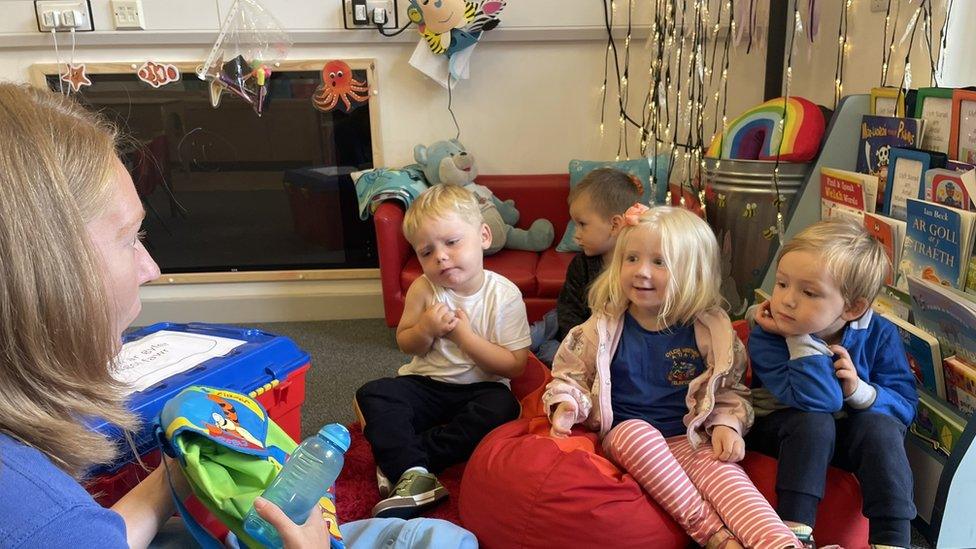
(414, 492)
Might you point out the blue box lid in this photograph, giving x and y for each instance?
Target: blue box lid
(264, 358)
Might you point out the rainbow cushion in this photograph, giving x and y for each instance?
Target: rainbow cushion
(752, 135)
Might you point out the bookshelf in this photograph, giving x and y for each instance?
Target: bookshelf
(945, 486)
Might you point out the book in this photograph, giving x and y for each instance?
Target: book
(891, 234)
(960, 381)
(937, 424)
(906, 176)
(840, 194)
(948, 314)
(853, 191)
(878, 135)
(949, 188)
(938, 243)
(760, 295)
(971, 276)
(893, 302)
(924, 355)
(959, 166)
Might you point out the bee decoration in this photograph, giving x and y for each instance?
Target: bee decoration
(750, 210)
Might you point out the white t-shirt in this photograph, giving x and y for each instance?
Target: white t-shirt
(497, 314)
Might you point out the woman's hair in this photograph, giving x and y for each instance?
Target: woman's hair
(438, 202)
(57, 172)
(610, 191)
(691, 256)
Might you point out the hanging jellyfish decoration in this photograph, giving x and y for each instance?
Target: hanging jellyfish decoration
(337, 85)
(449, 26)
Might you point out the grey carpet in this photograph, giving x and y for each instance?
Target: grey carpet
(347, 353)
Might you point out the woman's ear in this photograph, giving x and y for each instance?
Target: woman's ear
(485, 236)
(856, 309)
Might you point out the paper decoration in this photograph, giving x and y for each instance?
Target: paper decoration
(158, 74)
(76, 77)
(338, 84)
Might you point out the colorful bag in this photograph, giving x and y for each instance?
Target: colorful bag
(230, 451)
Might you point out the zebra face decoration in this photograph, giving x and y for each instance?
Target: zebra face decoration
(440, 16)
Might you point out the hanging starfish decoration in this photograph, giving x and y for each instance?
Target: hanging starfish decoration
(212, 76)
(216, 88)
(75, 77)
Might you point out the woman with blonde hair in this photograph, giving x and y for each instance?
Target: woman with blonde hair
(71, 262)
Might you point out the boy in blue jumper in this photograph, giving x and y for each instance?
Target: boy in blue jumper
(831, 383)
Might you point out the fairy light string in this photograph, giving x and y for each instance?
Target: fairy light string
(682, 77)
(778, 198)
(843, 47)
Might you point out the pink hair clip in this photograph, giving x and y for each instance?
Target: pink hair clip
(633, 213)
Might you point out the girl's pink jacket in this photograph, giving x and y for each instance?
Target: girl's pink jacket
(581, 376)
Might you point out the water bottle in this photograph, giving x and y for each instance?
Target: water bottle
(302, 482)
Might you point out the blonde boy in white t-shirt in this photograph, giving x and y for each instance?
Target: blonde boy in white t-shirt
(467, 330)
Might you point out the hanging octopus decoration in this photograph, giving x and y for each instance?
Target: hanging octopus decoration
(338, 84)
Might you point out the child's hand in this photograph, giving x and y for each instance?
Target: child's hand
(562, 420)
(727, 444)
(844, 370)
(462, 326)
(765, 320)
(438, 321)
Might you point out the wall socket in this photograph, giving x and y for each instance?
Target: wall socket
(128, 15)
(368, 8)
(63, 15)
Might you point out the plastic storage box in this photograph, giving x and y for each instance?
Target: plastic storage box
(267, 367)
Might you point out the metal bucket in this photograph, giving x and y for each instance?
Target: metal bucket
(740, 207)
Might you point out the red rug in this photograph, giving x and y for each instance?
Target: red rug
(356, 491)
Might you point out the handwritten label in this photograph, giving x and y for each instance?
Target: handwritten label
(936, 111)
(908, 175)
(147, 361)
(967, 131)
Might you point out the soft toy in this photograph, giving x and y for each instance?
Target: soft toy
(449, 163)
(757, 135)
(449, 26)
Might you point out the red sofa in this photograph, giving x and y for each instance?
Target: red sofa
(539, 276)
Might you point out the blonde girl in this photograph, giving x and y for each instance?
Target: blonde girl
(657, 371)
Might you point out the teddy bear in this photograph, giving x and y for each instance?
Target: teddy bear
(448, 162)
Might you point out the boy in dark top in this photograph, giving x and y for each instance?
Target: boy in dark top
(831, 383)
(596, 205)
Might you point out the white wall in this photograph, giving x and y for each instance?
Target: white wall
(531, 105)
(813, 66)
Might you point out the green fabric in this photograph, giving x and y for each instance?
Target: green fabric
(225, 480)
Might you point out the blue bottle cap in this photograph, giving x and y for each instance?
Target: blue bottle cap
(336, 434)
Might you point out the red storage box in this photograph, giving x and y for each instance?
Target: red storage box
(267, 367)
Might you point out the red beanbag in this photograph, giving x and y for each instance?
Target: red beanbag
(839, 518)
(522, 488)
